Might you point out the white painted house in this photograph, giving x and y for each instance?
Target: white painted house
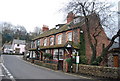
(18, 46)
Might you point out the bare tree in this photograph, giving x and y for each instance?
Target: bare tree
(102, 10)
(37, 31)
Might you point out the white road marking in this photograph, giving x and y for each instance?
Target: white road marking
(2, 75)
(8, 73)
(6, 70)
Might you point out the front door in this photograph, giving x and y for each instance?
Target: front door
(60, 65)
(116, 61)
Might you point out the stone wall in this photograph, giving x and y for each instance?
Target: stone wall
(99, 71)
(47, 65)
(111, 59)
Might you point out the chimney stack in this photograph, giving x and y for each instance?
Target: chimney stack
(45, 28)
(70, 17)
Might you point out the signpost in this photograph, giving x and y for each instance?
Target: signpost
(77, 62)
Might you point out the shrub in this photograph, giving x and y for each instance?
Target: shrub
(47, 55)
(70, 60)
(83, 59)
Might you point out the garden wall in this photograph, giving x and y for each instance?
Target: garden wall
(99, 71)
(47, 65)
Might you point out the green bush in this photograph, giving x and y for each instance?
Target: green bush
(83, 59)
(97, 61)
(47, 55)
(70, 60)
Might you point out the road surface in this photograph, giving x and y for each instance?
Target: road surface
(23, 70)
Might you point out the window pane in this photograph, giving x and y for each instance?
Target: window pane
(45, 42)
(60, 54)
(70, 36)
(59, 39)
(55, 54)
(51, 41)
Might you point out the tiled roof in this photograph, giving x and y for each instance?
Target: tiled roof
(33, 49)
(52, 31)
(55, 31)
(114, 50)
(115, 45)
(64, 27)
(57, 46)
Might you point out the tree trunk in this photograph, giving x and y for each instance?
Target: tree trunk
(93, 48)
(105, 50)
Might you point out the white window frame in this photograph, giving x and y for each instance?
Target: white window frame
(55, 54)
(61, 51)
(59, 39)
(45, 42)
(51, 40)
(69, 36)
(47, 51)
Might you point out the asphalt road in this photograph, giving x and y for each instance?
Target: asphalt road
(23, 70)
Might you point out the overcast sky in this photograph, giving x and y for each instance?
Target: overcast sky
(32, 13)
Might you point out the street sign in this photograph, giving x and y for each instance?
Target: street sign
(77, 59)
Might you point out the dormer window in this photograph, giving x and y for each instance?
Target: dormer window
(76, 20)
(57, 27)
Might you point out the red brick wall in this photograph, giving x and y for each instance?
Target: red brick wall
(102, 38)
(45, 28)
(76, 36)
(41, 41)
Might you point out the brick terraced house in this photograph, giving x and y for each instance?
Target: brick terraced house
(64, 40)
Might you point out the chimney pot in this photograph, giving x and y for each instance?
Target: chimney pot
(45, 28)
(70, 17)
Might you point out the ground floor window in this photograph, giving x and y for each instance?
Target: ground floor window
(47, 51)
(34, 54)
(55, 54)
(30, 54)
(58, 53)
(61, 54)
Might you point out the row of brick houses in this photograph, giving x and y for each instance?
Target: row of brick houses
(64, 40)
